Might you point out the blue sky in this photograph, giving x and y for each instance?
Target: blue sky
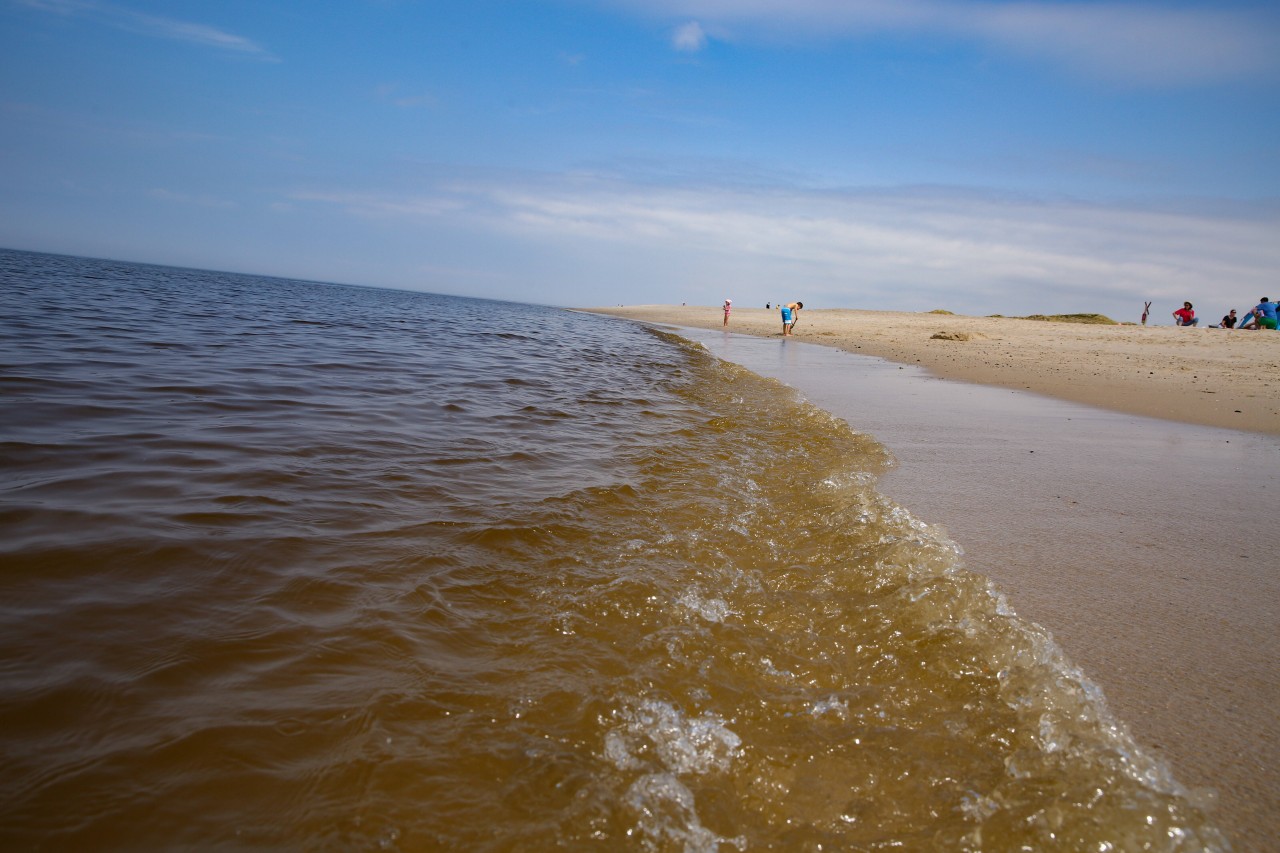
(984, 157)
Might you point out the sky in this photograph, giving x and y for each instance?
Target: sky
(979, 157)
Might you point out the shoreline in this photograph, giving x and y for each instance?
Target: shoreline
(1123, 535)
(1211, 377)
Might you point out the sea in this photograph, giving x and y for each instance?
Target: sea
(287, 565)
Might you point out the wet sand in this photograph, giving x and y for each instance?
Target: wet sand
(1131, 539)
(1214, 377)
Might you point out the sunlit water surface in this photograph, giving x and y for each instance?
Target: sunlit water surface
(297, 566)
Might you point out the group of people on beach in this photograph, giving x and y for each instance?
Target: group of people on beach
(1262, 316)
(790, 314)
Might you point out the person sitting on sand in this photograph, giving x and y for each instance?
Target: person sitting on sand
(1228, 321)
(1184, 316)
(790, 313)
(1263, 316)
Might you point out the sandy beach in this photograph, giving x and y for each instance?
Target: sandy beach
(1214, 377)
(1109, 479)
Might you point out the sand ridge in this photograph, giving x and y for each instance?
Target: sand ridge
(1211, 377)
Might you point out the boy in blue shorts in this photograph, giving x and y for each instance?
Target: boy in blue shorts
(790, 313)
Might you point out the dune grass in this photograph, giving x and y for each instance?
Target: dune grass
(1095, 319)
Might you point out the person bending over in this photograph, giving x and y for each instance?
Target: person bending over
(790, 313)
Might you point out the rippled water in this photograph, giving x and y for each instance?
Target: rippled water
(289, 565)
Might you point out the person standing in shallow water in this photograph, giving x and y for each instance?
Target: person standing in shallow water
(790, 313)
(727, 304)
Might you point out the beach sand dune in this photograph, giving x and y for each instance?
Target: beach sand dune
(1212, 377)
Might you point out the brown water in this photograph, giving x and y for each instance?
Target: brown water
(1134, 540)
(284, 568)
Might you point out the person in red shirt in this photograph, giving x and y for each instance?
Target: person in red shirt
(1184, 316)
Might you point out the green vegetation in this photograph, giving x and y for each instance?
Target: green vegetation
(1097, 319)
(942, 311)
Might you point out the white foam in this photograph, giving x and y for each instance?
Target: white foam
(656, 736)
(830, 705)
(712, 610)
(667, 816)
(682, 744)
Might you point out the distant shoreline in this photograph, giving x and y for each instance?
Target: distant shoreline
(1211, 377)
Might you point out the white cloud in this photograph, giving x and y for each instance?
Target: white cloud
(689, 37)
(911, 249)
(151, 25)
(1130, 42)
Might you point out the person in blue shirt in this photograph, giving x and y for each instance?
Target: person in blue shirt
(1263, 316)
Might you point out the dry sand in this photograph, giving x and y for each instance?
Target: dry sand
(1145, 546)
(1214, 377)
